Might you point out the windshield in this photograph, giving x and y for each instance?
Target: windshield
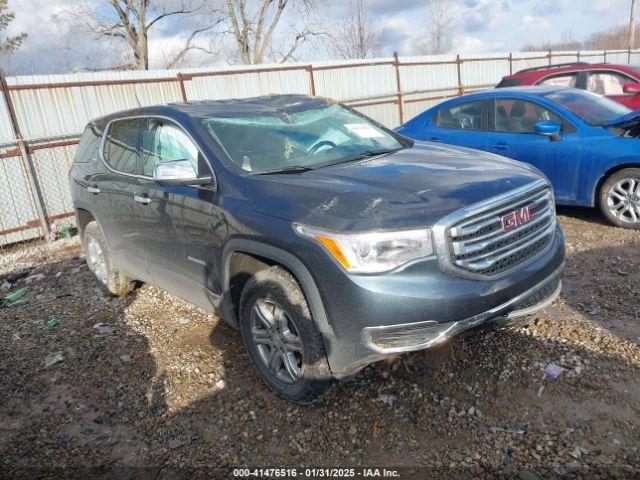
(590, 107)
(307, 139)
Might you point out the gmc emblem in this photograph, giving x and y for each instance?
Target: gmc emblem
(518, 217)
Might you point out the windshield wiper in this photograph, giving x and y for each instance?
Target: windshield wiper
(286, 170)
(365, 154)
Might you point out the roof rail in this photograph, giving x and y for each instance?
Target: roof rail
(555, 65)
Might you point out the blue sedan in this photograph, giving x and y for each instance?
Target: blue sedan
(584, 143)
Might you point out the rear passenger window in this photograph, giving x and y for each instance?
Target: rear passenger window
(121, 150)
(89, 143)
(463, 116)
(564, 80)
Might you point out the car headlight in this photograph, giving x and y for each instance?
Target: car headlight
(372, 252)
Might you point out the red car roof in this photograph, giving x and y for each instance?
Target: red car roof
(534, 74)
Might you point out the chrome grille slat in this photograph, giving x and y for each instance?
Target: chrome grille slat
(470, 227)
(494, 257)
(479, 245)
(461, 247)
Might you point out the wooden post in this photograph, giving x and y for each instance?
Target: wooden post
(396, 63)
(27, 164)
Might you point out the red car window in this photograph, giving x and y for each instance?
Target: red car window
(607, 83)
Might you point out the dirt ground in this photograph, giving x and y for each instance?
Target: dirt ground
(148, 386)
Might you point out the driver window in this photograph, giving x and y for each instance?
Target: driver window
(520, 116)
(462, 116)
(165, 142)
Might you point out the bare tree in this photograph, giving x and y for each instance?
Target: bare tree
(567, 42)
(613, 38)
(253, 24)
(441, 22)
(632, 25)
(128, 23)
(357, 36)
(9, 45)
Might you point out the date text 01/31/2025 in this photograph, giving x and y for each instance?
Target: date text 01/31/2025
(316, 472)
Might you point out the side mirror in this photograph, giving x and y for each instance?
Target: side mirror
(178, 172)
(548, 128)
(632, 88)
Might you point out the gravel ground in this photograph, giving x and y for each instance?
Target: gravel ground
(149, 382)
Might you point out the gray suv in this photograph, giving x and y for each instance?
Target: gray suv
(330, 241)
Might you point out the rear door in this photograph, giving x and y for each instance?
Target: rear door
(513, 135)
(121, 187)
(461, 123)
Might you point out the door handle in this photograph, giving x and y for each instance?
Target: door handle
(501, 146)
(144, 199)
(94, 190)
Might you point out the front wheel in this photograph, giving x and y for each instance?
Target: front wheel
(620, 198)
(282, 338)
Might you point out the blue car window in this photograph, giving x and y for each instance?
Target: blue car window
(520, 116)
(462, 116)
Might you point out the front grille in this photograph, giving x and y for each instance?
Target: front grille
(479, 243)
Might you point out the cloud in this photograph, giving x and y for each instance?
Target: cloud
(464, 44)
(536, 25)
(550, 7)
(483, 14)
(599, 7)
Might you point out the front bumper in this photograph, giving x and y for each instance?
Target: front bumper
(410, 337)
(421, 307)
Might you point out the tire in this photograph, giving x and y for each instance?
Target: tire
(276, 325)
(621, 187)
(110, 279)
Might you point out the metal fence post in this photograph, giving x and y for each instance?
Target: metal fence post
(604, 56)
(510, 63)
(550, 55)
(459, 69)
(629, 55)
(27, 163)
(312, 80)
(183, 91)
(578, 56)
(396, 63)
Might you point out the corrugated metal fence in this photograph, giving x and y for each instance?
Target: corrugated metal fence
(42, 116)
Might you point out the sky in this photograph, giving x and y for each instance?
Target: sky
(483, 26)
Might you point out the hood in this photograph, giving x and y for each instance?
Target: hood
(409, 188)
(628, 120)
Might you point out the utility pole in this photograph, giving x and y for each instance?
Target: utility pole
(632, 26)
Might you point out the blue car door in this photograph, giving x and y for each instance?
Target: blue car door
(512, 134)
(460, 123)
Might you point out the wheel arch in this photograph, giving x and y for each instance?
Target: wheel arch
(595, 194)
(242, 257)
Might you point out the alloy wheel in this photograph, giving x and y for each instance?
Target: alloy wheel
(277, 341)
(623, 200)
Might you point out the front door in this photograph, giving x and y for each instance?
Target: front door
(512, 134)
(184, 224)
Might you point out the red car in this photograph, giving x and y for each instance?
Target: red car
(618, 82)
